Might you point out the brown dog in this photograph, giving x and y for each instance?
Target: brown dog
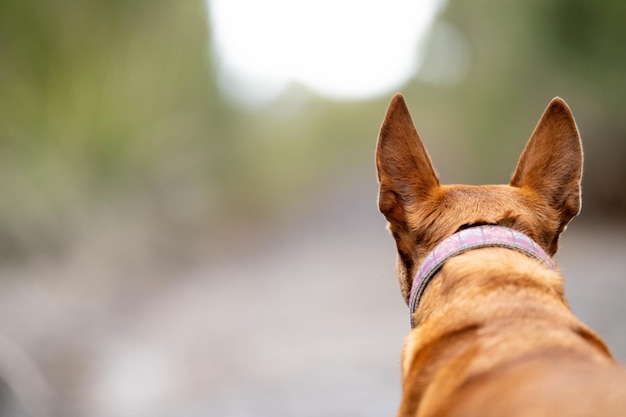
(493, 335)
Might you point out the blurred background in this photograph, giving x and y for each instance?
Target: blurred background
(188, 222)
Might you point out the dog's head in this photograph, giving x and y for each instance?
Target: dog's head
(542, 197)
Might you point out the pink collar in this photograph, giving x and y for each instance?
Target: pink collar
(467, 239)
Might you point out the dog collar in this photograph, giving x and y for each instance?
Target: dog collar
(465, 240)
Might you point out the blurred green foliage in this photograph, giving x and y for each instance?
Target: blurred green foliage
(97, 99)
(525, 53)
(108, 102)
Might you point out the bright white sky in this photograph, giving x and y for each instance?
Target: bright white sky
(342, 49)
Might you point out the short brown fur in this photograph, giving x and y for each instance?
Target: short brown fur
(495, 335)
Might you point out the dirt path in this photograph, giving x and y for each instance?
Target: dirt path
(307, 322)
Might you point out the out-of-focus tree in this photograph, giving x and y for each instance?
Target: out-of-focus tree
(583, 42)
(101, 100)
(521, 55)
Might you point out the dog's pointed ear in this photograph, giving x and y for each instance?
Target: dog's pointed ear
(405, 173)
(551, 164)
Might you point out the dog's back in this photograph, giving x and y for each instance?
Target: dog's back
(494, 339)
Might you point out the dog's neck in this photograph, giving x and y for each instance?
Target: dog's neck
(468, 239)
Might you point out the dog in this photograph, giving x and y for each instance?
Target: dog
(493, 334)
